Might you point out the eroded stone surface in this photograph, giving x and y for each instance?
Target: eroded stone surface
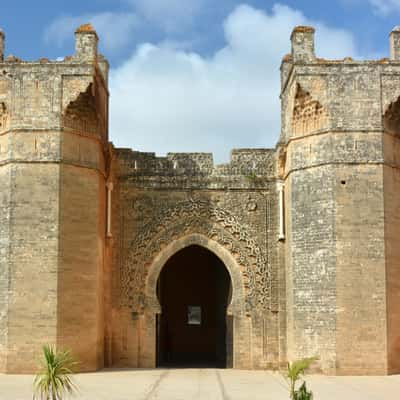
(324, 283)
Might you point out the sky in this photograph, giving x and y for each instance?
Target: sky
(197, 75)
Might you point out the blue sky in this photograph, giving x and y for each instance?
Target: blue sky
(197, 75)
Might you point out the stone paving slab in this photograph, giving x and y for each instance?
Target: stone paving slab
(207, 384)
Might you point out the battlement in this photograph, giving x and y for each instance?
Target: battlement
(2, 44)
(243, 163)
(86, 54)
(86, 49)
(303, 49)
(303, 55)
(320, 95)
(53, 95)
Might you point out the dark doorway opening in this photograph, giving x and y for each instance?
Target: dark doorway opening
(194, 290)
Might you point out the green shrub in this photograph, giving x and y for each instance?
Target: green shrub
(54, 380)
(303, 393)
(295, 370)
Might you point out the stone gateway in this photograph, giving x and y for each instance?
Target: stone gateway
(134, 260)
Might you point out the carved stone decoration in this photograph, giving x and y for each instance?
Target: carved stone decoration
(390, 89)
(308, 114)
(73, 87)
(4, 117)
(81, 115)
(251, 204)
(282, 155)
(206, 218)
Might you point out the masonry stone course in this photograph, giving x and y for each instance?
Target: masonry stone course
(86, 227)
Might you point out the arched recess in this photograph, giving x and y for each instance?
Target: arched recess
(237, 305)
(81, 115)
(205, 218)
(4, 117)
(85, 106)
(391, 118)
(309, 115)
(173, 227)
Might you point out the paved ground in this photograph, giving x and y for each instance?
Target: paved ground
(207, 384)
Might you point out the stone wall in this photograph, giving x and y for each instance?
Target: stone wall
(32, 308)
(164, 199)
(391, 178)
(80, 272)
(360, 270)
(311, 307)
(5, 200)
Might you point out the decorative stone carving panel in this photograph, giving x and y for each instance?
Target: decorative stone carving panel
(308, 114)
(203, 217)
(391, 119)
(390, 90)
(4, 117)
(81, 114)
(73, 87)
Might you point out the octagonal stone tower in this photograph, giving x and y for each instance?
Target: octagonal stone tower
(339, 160)
(53, 171)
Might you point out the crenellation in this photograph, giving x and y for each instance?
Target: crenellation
(86, 44)
(192, 163)
(303, 48)
(395, 44)
(244, 162)
(2, 45)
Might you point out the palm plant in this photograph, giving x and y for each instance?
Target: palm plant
(54, 380)
(303, 393)
(295, 371)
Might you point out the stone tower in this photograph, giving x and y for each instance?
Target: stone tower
(339, 162)
(304, 235)
(53, 172)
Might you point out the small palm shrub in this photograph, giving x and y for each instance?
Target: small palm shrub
(295, 371)
(53, 381)
(303, 393)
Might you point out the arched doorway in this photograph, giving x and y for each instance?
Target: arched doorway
(194, 290)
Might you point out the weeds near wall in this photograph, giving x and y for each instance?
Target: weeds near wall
(254, 179)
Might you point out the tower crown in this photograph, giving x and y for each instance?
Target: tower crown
(86, 43)
(302, 39)
(395, 44)
(2, 44)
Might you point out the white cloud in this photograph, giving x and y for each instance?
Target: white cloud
(170, 15)
(166, 99)
(114, 29)
(386, 7)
